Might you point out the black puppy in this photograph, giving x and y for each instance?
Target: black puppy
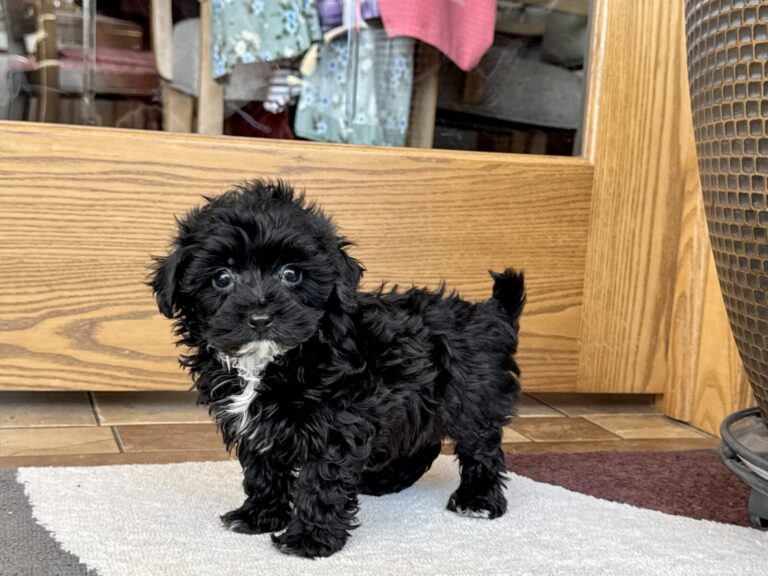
(326, 392)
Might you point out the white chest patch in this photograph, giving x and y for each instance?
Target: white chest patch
(249, 363)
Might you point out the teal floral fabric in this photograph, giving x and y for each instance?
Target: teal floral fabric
(383, 101)
(245, 31)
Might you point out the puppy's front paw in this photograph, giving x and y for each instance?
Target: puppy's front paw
(309, 542)
(488, 506)
(250, 520)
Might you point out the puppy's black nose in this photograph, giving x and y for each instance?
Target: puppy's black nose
(259, 320)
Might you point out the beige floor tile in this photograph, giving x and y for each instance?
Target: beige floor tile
(529, 407)
(513, 436)
(561, 430)
(122, 458)
(52, 441)
(116, 408)
(585, 404)
(170, 437)
(615, 445)
(638, 427)
(44, 409)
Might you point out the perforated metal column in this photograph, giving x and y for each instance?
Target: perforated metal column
(728, 75)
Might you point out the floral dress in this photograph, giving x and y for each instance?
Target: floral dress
(383, 100)
(245, 31)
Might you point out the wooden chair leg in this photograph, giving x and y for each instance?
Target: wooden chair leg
(421, 132)
(178, 110)
(210, 101)
(47, 74)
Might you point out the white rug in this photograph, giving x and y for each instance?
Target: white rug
(156, 520)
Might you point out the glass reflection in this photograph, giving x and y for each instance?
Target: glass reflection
(491, 75)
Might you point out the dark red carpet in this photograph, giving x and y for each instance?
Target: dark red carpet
(694, 484)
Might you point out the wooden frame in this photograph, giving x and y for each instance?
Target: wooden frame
(178, 107)
(76, 314)
(605, 239)
(632, 137)
(654, 318)
(47, 73)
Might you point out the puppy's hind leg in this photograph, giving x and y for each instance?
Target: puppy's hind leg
(400, 473)
(481, 491)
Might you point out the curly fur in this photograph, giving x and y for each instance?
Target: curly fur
(343, 392)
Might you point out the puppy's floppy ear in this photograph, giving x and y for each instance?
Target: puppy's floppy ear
(167, 274)
(338, 326)
(164, 282)
(349, 273)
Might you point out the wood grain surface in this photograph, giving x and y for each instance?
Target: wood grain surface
(705, 379)
(634, 136)
(691, 280)
(720, 386)
(82, 210)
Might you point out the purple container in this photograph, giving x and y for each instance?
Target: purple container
(330, 11)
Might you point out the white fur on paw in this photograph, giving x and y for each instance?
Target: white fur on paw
(468, 513)
(232, 527)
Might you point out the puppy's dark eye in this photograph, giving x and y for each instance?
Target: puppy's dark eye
(222, 279)
(290, 275)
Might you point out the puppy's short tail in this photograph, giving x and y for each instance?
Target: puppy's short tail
(509, 291)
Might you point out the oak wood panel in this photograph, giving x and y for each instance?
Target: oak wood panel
(706, 379)
(597, 404)
(721, 385)
(594, 78)
(82, 209)
(693, 260)
(634, 136)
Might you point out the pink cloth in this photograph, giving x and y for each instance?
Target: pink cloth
(108, 60)
(460, 29)
(111, 60)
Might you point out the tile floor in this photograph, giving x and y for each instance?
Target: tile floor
(79, 428)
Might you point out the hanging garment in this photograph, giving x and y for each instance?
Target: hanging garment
(383, 100)
(245, 31)
(460, 29)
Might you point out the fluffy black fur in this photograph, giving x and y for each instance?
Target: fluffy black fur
(365, 385)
